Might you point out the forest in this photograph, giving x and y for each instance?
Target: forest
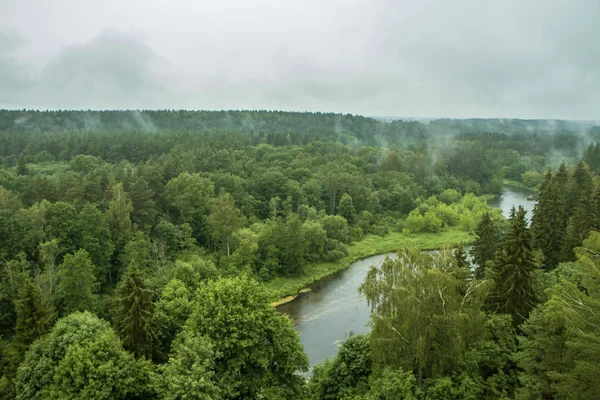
(141, 252)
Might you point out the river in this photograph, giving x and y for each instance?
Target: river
(333, 308)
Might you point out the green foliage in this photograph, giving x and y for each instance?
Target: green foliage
(255, 347)
(77, 283)
(513, 271)
(189, 373)
(189, 196)
(81, 358)
(549, 221)
(559, 353)
(172, 310)
(224, 219)
(487, 243)
(347, 375)
(450, 196)
(346, 208)
(34, 317)
(96, 240)
(133, 314)
(424, 314)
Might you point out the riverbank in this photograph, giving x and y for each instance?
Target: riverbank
(284, 289)
(519, 185)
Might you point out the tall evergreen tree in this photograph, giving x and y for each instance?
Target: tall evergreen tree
(583, 215)
(549, 221)
(513, 271)
(488, 237)
(34, 317)
(133, 314)
(22, 165)
(460, 257)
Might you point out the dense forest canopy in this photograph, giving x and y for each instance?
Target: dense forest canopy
(140, 249)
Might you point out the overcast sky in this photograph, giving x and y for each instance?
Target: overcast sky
(419, 58)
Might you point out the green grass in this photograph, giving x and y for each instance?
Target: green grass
(281, 287)
(519, 185)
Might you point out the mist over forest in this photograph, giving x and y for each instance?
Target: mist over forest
(144, 255)
(312, 200)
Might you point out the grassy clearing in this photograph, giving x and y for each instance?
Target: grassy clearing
(286, 288)
(519, 185)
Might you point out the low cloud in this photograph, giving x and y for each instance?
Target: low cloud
(467, 58)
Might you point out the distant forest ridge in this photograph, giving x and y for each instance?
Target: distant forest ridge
(310, 123)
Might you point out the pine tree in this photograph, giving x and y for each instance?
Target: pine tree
(513, 271)
(133, 314)
(34, 318)
(484, 249)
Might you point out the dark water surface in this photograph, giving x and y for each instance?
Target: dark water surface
(333, 308)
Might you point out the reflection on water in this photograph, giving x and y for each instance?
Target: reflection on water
(333, 308)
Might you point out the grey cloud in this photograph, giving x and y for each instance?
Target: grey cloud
(465, 58)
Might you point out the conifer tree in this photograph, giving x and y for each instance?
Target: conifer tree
(513, 271)
(583, 215)
(549, 222)
(133, 314)
(34, 318)
(484, 249)
(22, 166)
(460, 257)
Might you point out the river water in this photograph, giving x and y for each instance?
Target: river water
(333, 308)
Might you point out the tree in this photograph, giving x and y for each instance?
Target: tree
(189, 374)
(460, 258)
(513, 271)
(256, 348)
(579, 225)
(172, 310)
(560, 350)
(118, 216)
(77, 283)
(487, 240)
(34, 318)
(13, 276)
(224, 219)
(423, 313)
(346, 208)
(133, 314)
(22, 165)
(347, 375)
(81, 358)
(96, 240)
(189, 195)
(549, 221)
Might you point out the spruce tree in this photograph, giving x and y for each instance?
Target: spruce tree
(133, 314)
(460, 257)
(549, 222)
(513, 271)
(488, 237)
(34, 318)
(583, 215)
(22, 166)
